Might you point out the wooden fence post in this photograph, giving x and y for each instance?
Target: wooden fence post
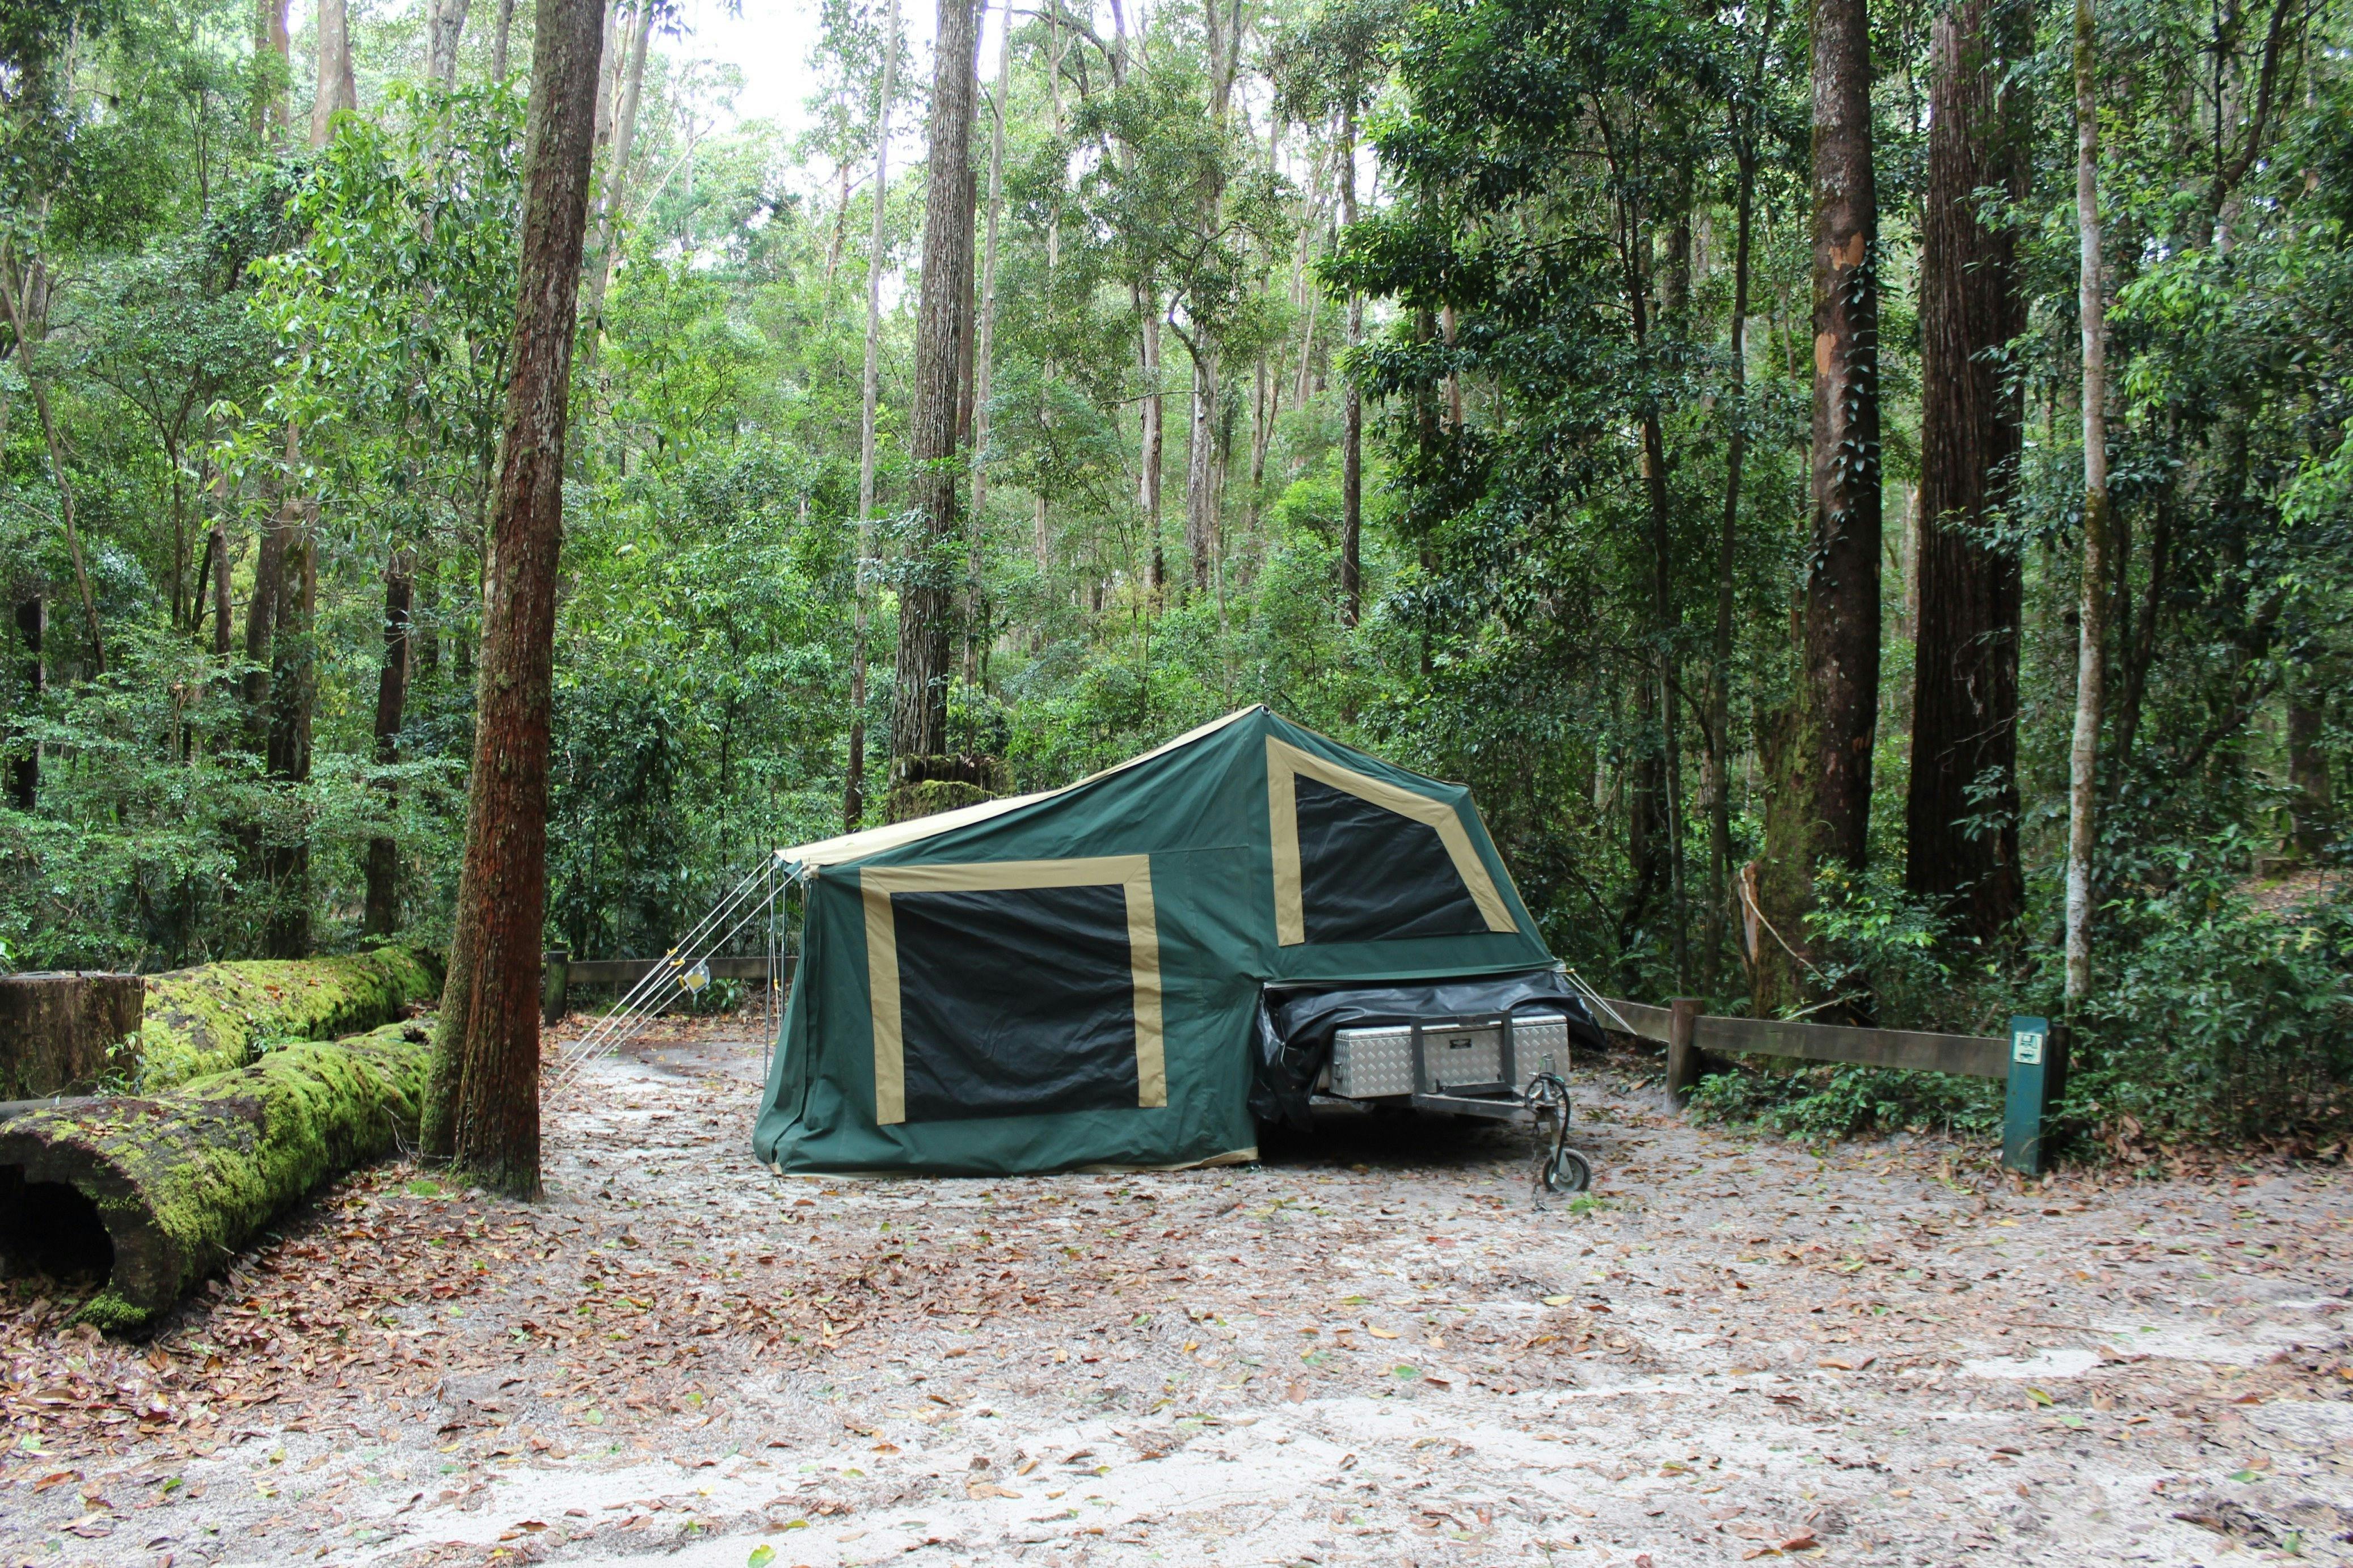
(2038, 1077)
(554, 985)
(1682, 1052)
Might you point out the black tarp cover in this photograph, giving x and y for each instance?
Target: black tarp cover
(1295, 1024)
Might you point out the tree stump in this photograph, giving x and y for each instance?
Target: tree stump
(59, 1031)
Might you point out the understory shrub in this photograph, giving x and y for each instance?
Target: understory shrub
(1818, 1104)
(2227, 1014)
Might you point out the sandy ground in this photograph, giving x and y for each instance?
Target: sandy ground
(1369, 1349)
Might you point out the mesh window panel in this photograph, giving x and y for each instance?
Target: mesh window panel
(1015, 1002)
(1366, 874)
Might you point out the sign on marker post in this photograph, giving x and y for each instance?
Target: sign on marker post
(2037, 1075)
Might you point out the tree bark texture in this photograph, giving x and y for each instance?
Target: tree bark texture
(273, 50)
(854, 794)
(1152, 437)
(293, 696)
(1965, 702)
(445, 24)
(2091, 641)
(606, 258)
(336, 89)
(1822, 783)
(500, 38)
(977, 615)
(382, 914)
(919, 706)
(483, 1108)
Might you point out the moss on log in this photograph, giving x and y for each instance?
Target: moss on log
(161, 1190)
(217, 1017)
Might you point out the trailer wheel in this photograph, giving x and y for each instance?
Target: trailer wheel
(1566, 1171)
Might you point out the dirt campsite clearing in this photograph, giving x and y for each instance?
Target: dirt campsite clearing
(1371, 1348)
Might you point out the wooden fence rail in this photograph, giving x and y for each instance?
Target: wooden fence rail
(2032, 1062)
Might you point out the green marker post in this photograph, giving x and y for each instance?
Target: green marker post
(2038, 1075)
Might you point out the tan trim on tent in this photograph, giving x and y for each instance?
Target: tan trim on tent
(1130, 873)
(868, 841)
(1285, 762)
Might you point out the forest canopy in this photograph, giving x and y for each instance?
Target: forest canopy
(1669, 418)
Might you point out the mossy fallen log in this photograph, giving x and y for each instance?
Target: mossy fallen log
(156, 1192)
(217, 1017)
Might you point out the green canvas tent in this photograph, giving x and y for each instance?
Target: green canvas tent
(1072, 978)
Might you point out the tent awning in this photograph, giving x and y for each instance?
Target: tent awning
(845, 848)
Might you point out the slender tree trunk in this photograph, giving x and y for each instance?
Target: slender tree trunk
(1351, 401)
(1043, 530)
(382, 913)
(482, 1106)
(606, 258)
(919, 708)
(984, 358)
(336, 89)
(500, 38)
(445, 24)
(853, 796)
(273, 51)
(293, 697)
(1965, 702)
(220, 585)
(2091, 647)
(25, 769)
(1149, 416)
(1200, 492)
(1715, 773)
(1822, 810)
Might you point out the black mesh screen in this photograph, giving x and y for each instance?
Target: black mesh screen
(1366, 874)
(1015, 1003)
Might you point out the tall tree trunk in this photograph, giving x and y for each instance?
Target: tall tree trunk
(606, 256)
(25, 769)
(382, 913)
(854, 794)
(1042, 528)
(220, 585)
(445, 24)
(919, 705)
(273, 51)
(293, 697)
(336, 89)
(482, 1105)
(1964, 701)
(1352, 401)
(1823, 752)
(1715, 768)
(984, 353)
(1200, 490)
(2091, 643)
(501, 39)
(1152, 437)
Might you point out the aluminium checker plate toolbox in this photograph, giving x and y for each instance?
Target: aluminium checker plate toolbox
(1376, 1062)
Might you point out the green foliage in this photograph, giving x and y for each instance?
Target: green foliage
(1823, 1104)
(2227, 1012)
